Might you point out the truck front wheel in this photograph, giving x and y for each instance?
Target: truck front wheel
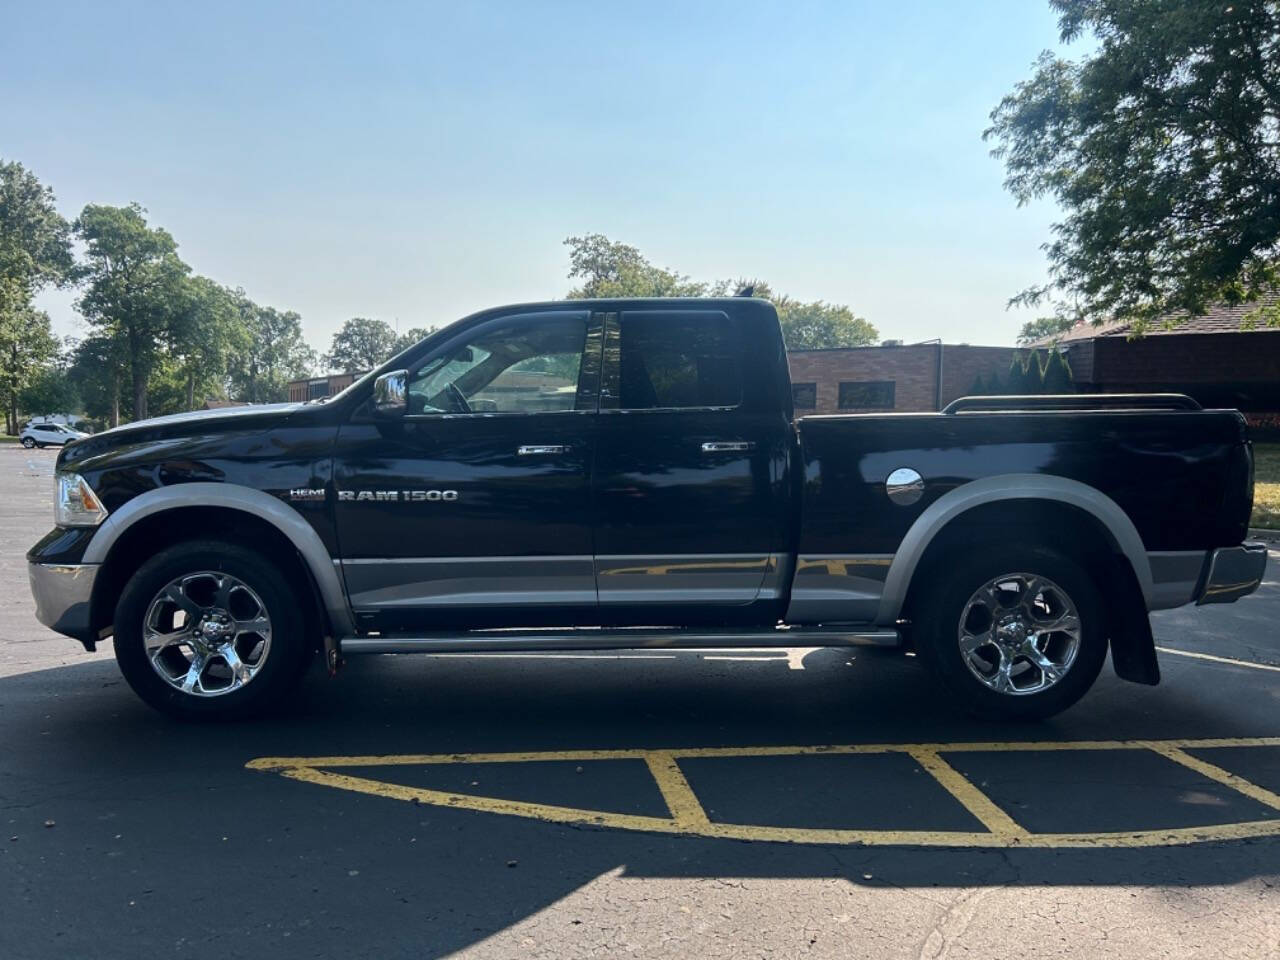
(209, 629)
(1016, 633)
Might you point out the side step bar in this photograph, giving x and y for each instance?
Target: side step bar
(628, 638)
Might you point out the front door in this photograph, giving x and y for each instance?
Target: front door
(472, 510)
(690, 479)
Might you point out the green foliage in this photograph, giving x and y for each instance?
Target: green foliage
(1024, 374)
(410, 337)
(51, 390)
(360, 345)
(609, 269)
(26, 344)
(1034, 372)
(272, 354)
(207, 331)
(35, 240)
(987, 386)
(97, 367)
(1043, 327)
(35, 251)
(135, 287)
(817, 324)
(1055, 373)
(1160, 145)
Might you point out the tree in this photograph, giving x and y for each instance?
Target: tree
(1055, 374)
(610, 269)
(207, 331)
(360, 345)
(411, 336)
(1042, 327)
(273, 353)
(97, 363)
(50, 391)
(35, 251)
(35, 240)
(26, 345)
(1161, 146)
(135, 287)
(1024, 374)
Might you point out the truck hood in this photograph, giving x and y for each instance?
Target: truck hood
(175, 428)
(200, 417)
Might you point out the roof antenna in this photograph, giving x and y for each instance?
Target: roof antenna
(747, 291)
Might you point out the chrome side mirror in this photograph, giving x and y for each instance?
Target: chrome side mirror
(390, 393)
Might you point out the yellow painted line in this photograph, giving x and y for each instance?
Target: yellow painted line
(1214, 772)
(689, 818)
(440, 798)
(728, 831)
(970, 797)
(681, 800)
(383, 760)
(1228, 660)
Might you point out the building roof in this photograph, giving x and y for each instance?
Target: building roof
(1222, 318)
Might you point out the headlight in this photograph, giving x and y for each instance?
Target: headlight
(75, 504)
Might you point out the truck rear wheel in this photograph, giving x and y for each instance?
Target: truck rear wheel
(209, 629)
(1014, 634)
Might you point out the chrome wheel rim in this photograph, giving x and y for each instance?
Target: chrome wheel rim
(207, 634)
(1019, 634)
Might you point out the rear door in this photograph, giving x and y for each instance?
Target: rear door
(689, 481)
(473, 509)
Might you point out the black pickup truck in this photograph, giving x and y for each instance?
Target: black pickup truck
(620, 474)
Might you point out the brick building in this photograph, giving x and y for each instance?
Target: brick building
(914, 377)
(1212, 358)
(313, 388)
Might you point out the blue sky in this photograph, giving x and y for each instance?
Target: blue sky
(416, 162)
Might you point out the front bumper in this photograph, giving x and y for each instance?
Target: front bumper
(62, 592)
(1234, 572)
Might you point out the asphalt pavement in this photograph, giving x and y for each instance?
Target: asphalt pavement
(815, 803)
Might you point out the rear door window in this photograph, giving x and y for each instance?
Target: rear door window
(679, 360)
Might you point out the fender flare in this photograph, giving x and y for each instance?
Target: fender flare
(1012, 486)
(246, 500)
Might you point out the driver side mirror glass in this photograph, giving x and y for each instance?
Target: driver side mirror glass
(390, 394)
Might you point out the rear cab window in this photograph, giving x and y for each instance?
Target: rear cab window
(673, 360)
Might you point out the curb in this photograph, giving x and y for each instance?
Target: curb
(1269, 536)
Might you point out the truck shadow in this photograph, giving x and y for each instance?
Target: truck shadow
(393, 875)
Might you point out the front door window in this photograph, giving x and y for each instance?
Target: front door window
(530, 367)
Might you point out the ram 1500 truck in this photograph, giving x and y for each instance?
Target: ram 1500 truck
(629, 473)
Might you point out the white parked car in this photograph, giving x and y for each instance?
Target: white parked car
(48, 435)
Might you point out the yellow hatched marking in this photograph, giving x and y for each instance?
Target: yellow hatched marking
(680, 798)
(970, 797)
(1214, 772)
(689, 818)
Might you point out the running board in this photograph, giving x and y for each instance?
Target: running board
(631, 638)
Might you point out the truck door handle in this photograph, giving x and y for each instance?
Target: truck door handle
(542, 449)
(727, 446)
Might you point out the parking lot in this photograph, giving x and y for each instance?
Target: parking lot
(660, 804)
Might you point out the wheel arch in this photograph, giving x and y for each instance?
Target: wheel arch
(1105, 517)
(183, 511)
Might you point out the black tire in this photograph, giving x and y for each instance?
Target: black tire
(282, 665)
(936, 622)
(28, 443)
